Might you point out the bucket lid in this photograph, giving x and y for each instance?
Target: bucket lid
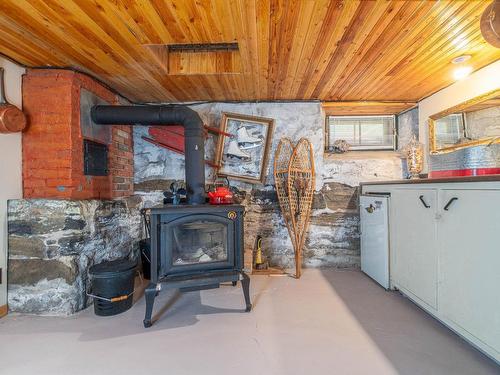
(111, 268)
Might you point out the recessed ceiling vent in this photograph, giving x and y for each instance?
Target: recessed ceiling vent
(203, 47)
(198, 58)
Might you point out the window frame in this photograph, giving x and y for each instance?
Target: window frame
(392, 147)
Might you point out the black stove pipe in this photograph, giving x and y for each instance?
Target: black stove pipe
(165, 115)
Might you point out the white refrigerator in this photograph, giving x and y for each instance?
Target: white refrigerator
(374, 212)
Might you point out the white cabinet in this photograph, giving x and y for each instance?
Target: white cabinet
(414, 245)
(445, 254)
(469, 262)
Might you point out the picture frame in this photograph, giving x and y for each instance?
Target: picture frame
(244, 155)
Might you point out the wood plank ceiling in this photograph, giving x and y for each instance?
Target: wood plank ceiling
(290, 49)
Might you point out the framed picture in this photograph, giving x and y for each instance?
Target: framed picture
(244, 154)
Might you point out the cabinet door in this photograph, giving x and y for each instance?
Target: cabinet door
(469, 262)
(414, 243)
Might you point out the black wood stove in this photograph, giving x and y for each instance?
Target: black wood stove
(195, 247)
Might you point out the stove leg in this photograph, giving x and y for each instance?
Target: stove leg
(245, 284)
(150, 294)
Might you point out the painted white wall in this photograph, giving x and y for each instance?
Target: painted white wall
(10, 164)
(478, 83)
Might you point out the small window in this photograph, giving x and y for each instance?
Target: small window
(362, 132)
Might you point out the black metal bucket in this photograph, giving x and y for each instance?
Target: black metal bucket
(112, 286)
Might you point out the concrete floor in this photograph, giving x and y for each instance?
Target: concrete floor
(328, 322)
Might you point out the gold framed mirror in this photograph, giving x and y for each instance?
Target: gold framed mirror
(471, 123)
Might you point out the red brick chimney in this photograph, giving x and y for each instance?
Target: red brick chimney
(53, 144)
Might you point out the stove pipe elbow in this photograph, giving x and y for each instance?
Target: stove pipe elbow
(166, 115)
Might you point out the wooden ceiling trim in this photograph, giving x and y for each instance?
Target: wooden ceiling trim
(290, 49)
(12, 43)
(37, 14)
(29, 36)
(373, 35)
(392, 55)
(351, 42)
(167, 17)
(421, 62)
(117, 34)
(262, 10)
(434, 66)
(382, 41)
(286, 27)
(395, 66)
(325, 48)
(247, 46)
(316, 10)
(428, 56)
(421, 37)
(86, 55)
(365, 108)
(297, 43)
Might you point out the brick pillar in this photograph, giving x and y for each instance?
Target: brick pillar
(121, 161)
(53, 142)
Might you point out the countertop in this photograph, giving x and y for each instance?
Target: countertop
(484, 178)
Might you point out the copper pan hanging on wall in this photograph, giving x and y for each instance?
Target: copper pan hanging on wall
(12, 119)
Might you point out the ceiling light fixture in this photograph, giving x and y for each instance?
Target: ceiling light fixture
(460, 59)
(462, 72)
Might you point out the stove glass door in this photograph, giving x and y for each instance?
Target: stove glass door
(198, 242)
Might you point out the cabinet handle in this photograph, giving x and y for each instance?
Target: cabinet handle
(447, 207)
(423, 202)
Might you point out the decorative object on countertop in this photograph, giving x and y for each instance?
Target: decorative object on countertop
(244, 155)
(12, 119)
(294, 177)
(112, 286)
(220, 192)
(414, 153)
(340, 146)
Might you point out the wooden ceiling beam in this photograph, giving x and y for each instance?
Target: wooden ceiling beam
(290, 49)
(354, 108)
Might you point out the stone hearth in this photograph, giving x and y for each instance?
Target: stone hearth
(52, 244)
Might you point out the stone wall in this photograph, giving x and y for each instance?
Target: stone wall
(407, 127)
(52, 244)
(334, 232)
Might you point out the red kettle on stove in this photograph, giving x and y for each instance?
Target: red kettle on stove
(221, 193)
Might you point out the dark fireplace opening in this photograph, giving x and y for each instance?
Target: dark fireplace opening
(95, 158)
(199, 241)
